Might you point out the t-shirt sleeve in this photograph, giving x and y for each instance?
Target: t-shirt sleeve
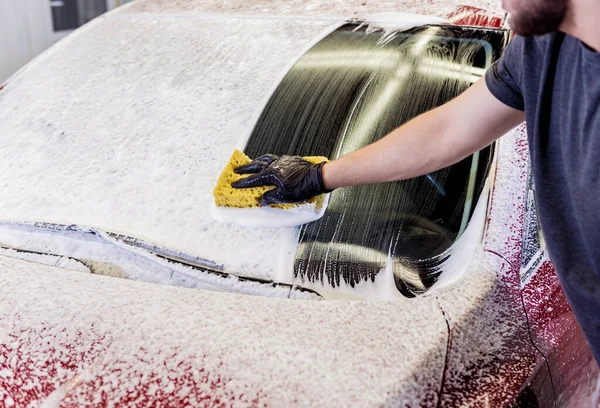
(503, 79)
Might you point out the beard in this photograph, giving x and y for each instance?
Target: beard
(537, 17)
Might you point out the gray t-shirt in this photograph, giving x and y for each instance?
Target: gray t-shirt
(555, 78)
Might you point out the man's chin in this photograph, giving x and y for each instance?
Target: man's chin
(538, 18)
(529, 28)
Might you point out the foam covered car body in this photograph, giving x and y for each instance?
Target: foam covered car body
(112, 142)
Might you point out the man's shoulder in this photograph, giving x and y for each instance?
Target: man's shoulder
(520, 70)
(535, 47)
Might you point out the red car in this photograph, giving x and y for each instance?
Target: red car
(119, 289)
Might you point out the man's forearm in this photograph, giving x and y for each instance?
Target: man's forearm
(432, 141)
(429, 142)
(419, 147)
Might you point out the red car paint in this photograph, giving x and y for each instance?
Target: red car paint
(474, 16)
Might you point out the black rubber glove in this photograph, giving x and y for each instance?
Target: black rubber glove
(295, 179)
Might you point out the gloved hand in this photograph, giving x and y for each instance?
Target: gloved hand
(295, 179)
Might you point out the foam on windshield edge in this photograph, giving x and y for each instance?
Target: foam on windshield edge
(79, 249)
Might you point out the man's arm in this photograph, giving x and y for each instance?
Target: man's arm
(434, 140)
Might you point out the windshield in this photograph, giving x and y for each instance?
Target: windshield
(349, 90)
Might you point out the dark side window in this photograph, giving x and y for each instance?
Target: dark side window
(71, 14)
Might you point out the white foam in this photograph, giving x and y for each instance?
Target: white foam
(269, 217)
(315, 8)
(123, 338)
(135, 144)
(136, 263)
(398, 21)
(464, 249)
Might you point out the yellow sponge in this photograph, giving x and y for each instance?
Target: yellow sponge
(227, 196)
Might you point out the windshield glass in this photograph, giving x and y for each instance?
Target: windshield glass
(349, 90)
